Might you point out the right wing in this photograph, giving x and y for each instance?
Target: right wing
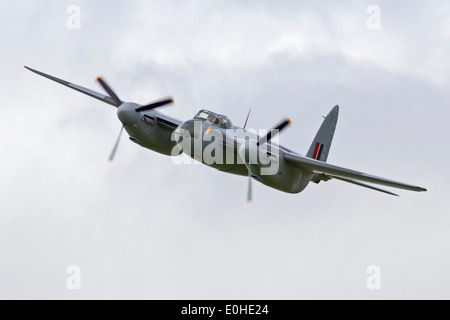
(81, 89)
(348, 175)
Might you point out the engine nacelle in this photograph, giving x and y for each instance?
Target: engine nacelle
(266, 164)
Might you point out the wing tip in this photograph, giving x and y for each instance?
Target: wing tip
(335, 110)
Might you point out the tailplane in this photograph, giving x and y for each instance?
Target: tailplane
(320, 147)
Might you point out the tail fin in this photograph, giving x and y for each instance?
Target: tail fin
(322, 142)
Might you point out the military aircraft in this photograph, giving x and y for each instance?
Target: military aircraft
(213, 140)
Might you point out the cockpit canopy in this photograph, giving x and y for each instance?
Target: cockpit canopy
(218, 119)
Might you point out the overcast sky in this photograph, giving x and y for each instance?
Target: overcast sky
(144, 227)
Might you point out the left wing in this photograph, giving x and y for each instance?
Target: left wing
(78, 88)
(347, 175)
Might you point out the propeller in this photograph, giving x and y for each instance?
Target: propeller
(269, 135)
(263, 140)
(113, 152)
(119, 102)
(155, 105)
(108, 89)
(246, 120)
(249, 190)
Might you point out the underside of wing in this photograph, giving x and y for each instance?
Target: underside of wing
(347, 175)
(362, 185)
(78, 88)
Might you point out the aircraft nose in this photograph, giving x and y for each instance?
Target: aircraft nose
(126, 113)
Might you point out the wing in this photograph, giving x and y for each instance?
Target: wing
(347, 175)
(81, 89)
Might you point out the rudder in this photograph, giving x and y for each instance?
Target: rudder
(320, 147)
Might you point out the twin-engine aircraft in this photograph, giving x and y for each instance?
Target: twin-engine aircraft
(213, 140)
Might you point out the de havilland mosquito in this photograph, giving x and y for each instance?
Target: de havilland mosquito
(213, 140)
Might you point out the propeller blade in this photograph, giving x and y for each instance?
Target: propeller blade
(109, 91)
(248, 115)
(113, 152)
(249, 192)
(154, 105)
(269, 136)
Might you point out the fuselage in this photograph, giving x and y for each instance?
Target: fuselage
(221, 146)
(148, 129)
